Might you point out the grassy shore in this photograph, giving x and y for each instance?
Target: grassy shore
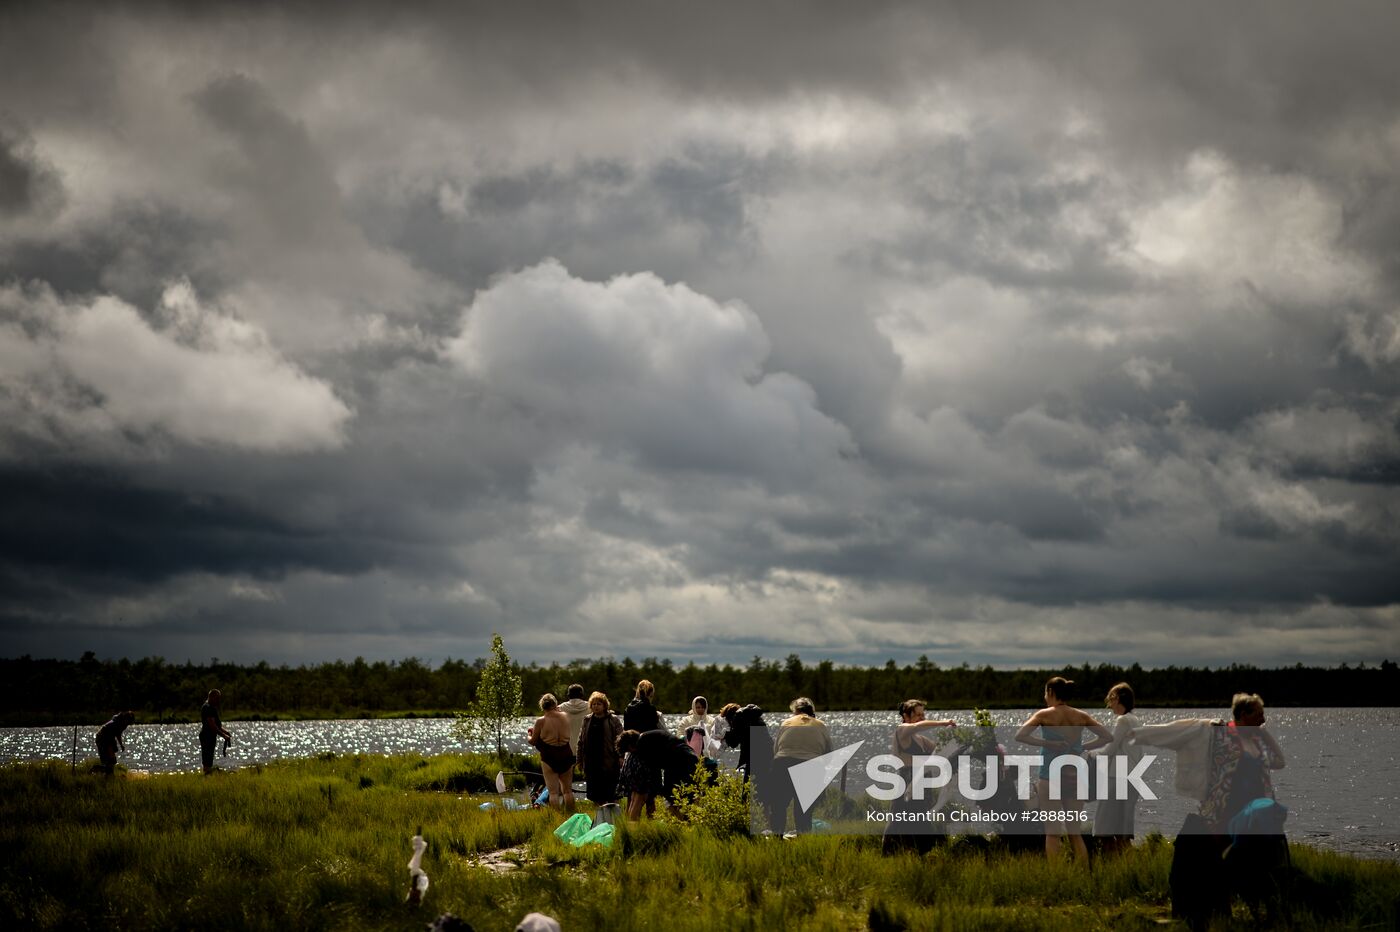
(323, 844)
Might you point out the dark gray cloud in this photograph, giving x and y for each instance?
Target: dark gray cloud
(89, 526)
(277, 167)
(989, 332)
(131, 253)
(27, 185)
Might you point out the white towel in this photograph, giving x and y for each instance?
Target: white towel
(1190, 738)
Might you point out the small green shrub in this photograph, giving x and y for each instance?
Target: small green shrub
(718, 804)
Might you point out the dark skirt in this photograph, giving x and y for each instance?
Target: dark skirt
(637, 776)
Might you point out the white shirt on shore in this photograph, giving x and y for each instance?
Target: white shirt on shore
(714, 730)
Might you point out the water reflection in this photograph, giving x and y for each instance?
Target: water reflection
(173, 748)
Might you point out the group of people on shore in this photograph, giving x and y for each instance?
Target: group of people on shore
(634, 758)
(1225, 766)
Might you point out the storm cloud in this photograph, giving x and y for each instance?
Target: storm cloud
(1001, 333)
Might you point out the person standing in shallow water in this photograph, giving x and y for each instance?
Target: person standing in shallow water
(109, 737)
(211, 729)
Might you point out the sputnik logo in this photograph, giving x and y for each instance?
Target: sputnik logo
(811, 777)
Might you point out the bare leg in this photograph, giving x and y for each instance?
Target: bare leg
(1056, 829)
(551, 783)
(1052, 837)
(1081, 850)
(1074, 828)
(566, 779)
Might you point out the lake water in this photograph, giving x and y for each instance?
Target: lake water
(1342, 782)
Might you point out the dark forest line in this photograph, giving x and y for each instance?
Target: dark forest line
(51, 692)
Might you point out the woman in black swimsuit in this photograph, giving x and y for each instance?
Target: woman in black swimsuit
(550, 736)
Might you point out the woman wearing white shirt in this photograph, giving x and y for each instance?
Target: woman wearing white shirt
(1114, 820)
(699, 717)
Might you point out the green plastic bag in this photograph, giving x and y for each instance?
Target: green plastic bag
(574, 827)
(600, 834)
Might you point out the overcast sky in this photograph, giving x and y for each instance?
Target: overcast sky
(1011, 334)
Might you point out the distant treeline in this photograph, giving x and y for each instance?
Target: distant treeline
(41, 692)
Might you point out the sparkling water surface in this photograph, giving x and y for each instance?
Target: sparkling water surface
(1342, 782)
